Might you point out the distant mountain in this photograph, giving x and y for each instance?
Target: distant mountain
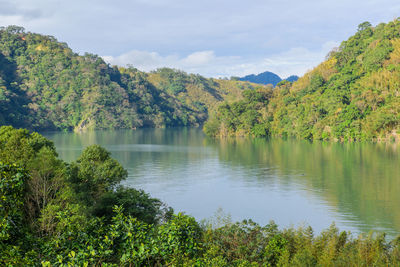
(267, 78)
(292, 78)
(263, 78)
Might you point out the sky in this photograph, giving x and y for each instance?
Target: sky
(214, 38)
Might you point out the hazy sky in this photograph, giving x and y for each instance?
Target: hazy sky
(210, 37)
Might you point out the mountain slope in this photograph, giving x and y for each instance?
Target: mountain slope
(353, 95)
(292, 78)
(263, 78)
(267, 78)
(45, 85)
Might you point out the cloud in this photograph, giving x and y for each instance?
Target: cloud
(293, 61)
(11, 9)
(7, 8)
(199, 58)
(201, 36)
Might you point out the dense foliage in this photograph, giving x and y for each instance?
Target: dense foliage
(58, 214)
(45, 85)
(353, 95)
(45, 201)
(242, 117)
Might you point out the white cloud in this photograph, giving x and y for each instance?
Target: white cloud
(199, 58)
(210, 37)
(294, 61)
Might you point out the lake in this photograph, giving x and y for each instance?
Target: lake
(294, 183)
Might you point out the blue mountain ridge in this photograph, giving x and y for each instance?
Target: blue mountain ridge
(267, 78)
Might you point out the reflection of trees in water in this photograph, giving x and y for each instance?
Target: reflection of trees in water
(131, 148)
(360, 179)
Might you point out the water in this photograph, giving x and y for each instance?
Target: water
(292, 182)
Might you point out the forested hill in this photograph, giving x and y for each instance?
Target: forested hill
(353, 95)
(45, 85)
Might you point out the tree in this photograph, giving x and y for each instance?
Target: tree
(363, 26)
(47, 181)
(135, 203)
(12, 191)
(12, 217)
(20, 146)
(95, 173)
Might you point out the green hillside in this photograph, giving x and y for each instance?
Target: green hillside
(353, 95)
(45, 85)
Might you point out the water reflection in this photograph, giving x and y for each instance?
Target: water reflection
(359, 180)
(289, 181)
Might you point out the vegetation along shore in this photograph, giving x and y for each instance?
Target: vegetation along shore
(54, 213)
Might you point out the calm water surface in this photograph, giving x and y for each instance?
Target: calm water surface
(289, 181)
